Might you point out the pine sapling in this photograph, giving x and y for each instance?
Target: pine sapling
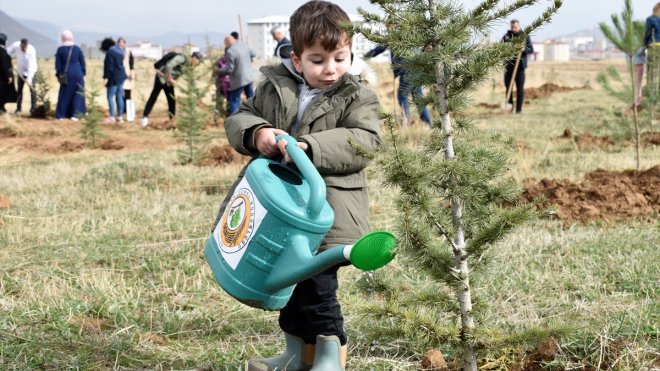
(91, 130)
(191, 118)
(42, 87)
(454, 188)
(627, 36)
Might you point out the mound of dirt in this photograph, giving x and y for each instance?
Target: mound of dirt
(651, 138)
(587, 139)
(161, 125)
(488, 105)
(603, 194)
(5, 202)
(110, 145)
(68, 146)
(434, 361)
(548, 89)
(8, 132)
(221, 155)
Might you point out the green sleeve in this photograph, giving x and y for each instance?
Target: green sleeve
(240, 127)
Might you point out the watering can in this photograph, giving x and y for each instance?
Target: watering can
(267, 238)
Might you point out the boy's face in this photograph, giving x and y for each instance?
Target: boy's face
(322, 68)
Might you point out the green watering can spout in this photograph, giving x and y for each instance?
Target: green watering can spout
(374, 250)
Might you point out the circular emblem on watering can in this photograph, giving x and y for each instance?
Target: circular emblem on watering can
(237, 223)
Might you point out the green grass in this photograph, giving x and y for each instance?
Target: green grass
(101, 262)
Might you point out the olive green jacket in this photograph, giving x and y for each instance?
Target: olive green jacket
(345, 111)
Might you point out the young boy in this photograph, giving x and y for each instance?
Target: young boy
(313, 97)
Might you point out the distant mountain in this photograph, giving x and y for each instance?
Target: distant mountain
(15, 31)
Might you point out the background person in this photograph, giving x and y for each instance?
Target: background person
(70, 62)
(239, 68)
(129, 84)
(7, 89)
(516, 32)
(166, 75)
(652, 43)
(26, 64)
(279, 35)
(114, 76)
(404, 90)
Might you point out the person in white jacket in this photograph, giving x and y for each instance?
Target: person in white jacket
(26, 63)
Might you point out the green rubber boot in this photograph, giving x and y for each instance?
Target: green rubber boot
(329, 355)
(292, 359)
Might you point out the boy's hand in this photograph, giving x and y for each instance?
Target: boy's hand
(264, 140)
(282, 147)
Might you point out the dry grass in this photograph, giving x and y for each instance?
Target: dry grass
(101, 262)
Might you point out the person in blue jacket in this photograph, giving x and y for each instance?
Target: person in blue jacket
(114, 76)
(513, 33)
(70, 62)
(652, 43)
(405, 89)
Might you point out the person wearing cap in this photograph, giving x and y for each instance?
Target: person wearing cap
(7, 89)
(26, 64)
(510, 36)
(239, 68)
(279, 35)
(165, 80)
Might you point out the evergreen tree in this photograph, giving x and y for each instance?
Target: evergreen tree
(191, 117)
(42, 87)
(91, 131)
(454, 186)
(627, 36)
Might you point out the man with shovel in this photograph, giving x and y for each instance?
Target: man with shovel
(26, 63)
(514, 70)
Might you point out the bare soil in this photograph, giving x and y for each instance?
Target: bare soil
(548, 89)
(586, 140)
(434, 361)
(5, 202)
(41, 136)
(651, 138)
(605, 195)
(221, 155)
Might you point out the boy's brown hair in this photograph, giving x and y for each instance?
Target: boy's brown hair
(319, 20)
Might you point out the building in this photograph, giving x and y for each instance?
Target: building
(539, 52)
(261, 41)
(555, 51)
(145, 49)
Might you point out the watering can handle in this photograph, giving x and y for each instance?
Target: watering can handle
(316, 184)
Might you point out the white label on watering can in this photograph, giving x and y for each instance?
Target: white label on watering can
(240, 221)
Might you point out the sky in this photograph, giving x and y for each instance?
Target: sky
(154, 17)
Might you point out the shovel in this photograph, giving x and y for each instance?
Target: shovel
(507, 107)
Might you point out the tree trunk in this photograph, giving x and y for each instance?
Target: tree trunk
(460, 254)
(634, 109)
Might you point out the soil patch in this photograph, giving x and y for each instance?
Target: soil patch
(5, 202)
(488, 105)
(651, 138)
(603, 194)
(221, 155)
(161, 124)
(68, 146)
(548, 89)
(8, 132)
(434, 361)
(585, 140)
(110, 145)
